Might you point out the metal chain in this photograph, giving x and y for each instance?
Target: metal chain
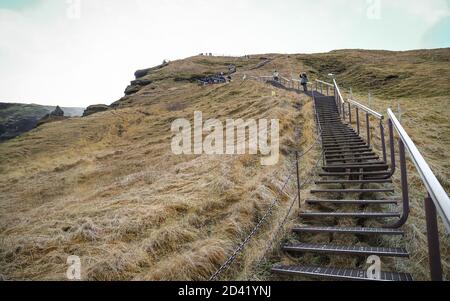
(239, 249)
(283, 223)
(232, 258)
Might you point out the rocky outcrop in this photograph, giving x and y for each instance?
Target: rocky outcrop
(58, 112)
(140, 82)
(136, 86)
(132, 89)
(94, 109)
(141, 73)
(56, 115)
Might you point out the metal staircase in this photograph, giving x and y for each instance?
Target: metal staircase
(355, 192)
(351, 168)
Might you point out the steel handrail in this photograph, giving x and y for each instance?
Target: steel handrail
(357, 104)
(365, 109)
(434, 188)
(338, 91)
(325, 83)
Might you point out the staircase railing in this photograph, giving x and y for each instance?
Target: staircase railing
(436, 202)
(320, 85)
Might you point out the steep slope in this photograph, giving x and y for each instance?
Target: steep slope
(112, 192)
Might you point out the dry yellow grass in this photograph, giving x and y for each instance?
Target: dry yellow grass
(108, 188)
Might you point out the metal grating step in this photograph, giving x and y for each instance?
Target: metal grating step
(348, 152)
(341, 140)
(344, 144)
(346, 250)
(376, 181)
(351, 202)
(346, 174)
(343, 149)
(338, 273)
(352, 190)
(373, 215)
(348, 159)
(349, 230)
(349, 155)
(355, 166)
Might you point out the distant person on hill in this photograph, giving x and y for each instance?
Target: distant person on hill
(276, 75)
(304, 81)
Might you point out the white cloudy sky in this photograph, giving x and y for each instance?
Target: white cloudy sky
(49, 57)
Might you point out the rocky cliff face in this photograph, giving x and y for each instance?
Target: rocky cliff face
(94, 109)
(140, 82)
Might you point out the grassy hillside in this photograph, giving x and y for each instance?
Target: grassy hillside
(108, 188)
(114, 194)
(16, 119)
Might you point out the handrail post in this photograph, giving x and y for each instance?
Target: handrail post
(434, 252)
(404, 182)
(368, 129)
(392, 147)
(350, 113)
(298, 181)
(357, 120)
(383, 141)
(343, 111)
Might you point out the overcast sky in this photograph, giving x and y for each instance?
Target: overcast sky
(82, 52)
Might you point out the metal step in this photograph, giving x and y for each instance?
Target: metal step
(346, 250)
(352, 159)
(338, 273)
(346, 174)
(340, 149)
(371, 167)
(371, 215)
(350, 155)
(340, 134)
(337, 136)
(353, 181)
(340, 152)
(349, 230)
(341, 138)
(349, 144)
(376, 163)
(352, 190)
(351, 202)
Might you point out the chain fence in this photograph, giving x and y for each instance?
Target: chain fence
(264, 219)
(282, 224)
(241, 247)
